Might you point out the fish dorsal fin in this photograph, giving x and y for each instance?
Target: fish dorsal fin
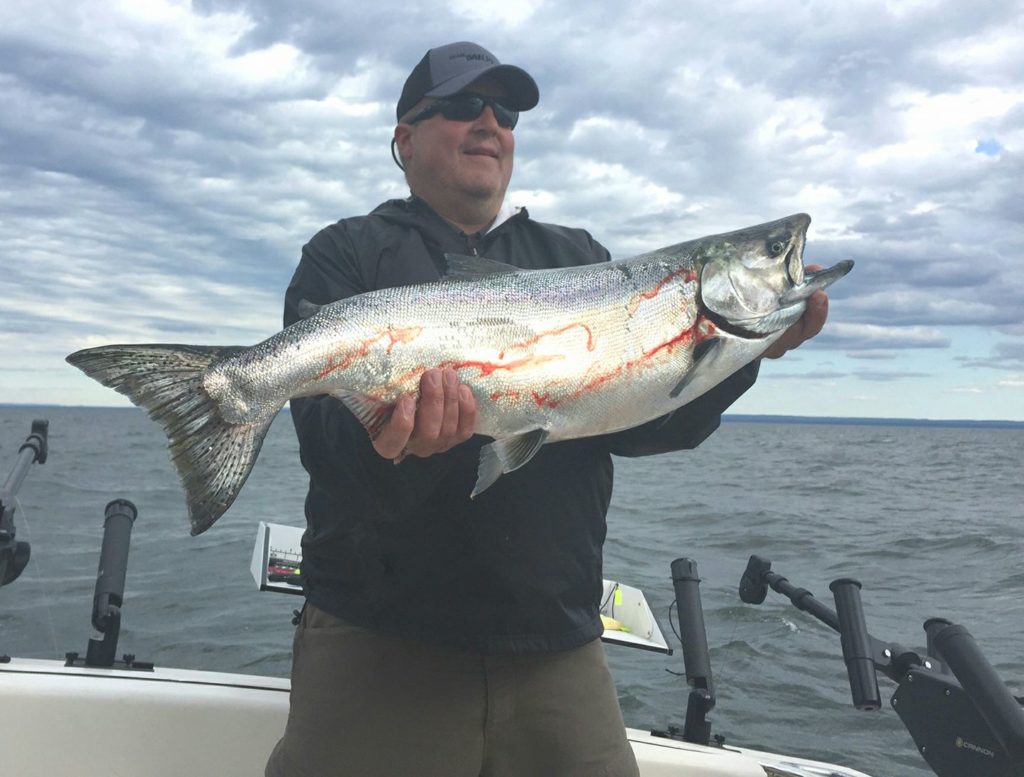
(307, 309)
(372, 413)
(471, 268)
(703, 357)
(506, 455)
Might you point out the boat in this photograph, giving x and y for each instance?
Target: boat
(102, 715)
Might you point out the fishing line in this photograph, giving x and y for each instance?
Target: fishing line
(608, 598)
(679, 639)
(672, 624)
(34, 562)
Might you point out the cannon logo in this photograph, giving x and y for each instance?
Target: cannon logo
(471, 57)
(963, 744)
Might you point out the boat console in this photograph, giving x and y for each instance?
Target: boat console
(628, 618)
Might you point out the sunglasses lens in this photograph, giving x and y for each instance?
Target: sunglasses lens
(506, 117)
(462, 109)
(469, 107)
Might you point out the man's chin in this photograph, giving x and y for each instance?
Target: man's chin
(484, 190)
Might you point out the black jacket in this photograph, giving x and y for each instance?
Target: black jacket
(402, 549)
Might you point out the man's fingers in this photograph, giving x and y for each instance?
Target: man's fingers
(810, 323)
(814, 317)
(450, 419)
(394, 435)
(429, 410)
(467, 414)
(443, 416)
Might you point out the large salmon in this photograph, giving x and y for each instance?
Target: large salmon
(548, 354)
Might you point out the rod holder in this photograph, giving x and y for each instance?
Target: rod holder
(979, 679)
(119, 517)
(853, 635)
(14, 555)
(696, 657)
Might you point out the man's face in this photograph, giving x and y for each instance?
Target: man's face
(446, 159)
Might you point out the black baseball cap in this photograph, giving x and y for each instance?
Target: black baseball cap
(449, 69)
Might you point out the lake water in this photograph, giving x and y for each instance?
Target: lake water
(929, 519)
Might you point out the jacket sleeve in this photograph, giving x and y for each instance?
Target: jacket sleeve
(688, 426)
(335, 448)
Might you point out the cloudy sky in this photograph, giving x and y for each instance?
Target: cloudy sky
(162, 163)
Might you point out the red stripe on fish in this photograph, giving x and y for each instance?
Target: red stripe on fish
(686, 273)
(345, 359)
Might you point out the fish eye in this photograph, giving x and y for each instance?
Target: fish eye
(776, 247)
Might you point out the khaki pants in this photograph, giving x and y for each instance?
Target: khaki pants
(365, 704)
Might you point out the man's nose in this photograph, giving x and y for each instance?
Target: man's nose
(487, 120)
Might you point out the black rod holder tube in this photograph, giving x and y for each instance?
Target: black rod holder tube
(856, 642)
(802, 599)
(32, 450)
(696, 659)
(1000, 710)
(932, 627)
(685, 581)
(117, 532)
(14, 555)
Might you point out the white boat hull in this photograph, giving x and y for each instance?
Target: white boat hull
(63, 721)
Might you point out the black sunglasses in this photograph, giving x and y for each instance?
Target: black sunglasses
(467, 107)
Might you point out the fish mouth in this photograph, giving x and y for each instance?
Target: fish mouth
(815, 281)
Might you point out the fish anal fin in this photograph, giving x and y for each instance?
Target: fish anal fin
(506, 455)
(468, 268)
(372, 413)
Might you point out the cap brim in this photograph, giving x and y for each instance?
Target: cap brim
(522, 89)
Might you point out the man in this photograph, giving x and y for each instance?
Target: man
(443, 636)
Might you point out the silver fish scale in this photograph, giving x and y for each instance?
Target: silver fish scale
(552, 349)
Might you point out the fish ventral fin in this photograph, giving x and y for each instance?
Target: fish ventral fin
(703, 359)
(461, 267)
(372, 413)
(506, 455)
(213, 457)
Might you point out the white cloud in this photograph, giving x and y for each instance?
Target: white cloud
(872, 336)
(167, 160)
(497, 11)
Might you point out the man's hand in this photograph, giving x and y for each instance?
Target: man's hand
(808, 326)
(444, 416)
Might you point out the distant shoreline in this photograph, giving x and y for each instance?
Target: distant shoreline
(963, 423)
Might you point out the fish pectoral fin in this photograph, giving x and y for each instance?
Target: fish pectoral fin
(371, 412)
(473, 268)
(506, 455)
(704, 356)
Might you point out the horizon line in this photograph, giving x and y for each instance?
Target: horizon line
(741, 417)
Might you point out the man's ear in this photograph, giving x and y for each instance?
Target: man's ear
(403, 139)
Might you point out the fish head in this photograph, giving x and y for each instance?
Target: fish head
(753, 281)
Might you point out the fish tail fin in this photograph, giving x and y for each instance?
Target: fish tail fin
(213, 456)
